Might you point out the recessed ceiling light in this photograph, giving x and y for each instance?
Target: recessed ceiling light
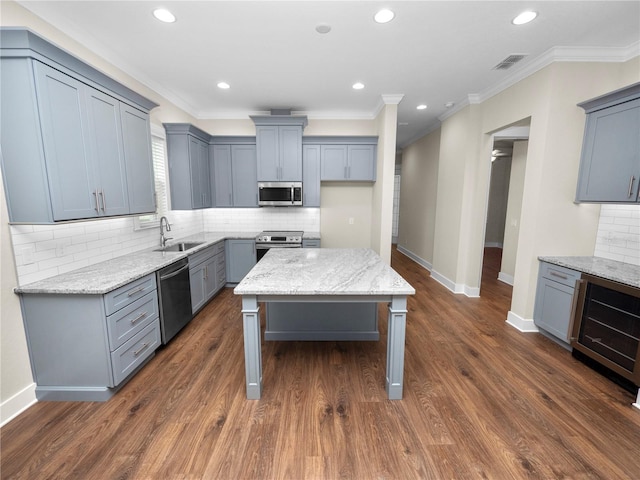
(323, 28)
(449, 104)
(358, 86)
(421, 107)
(524, 17)
(164, 15)
(223, 85)
(384, 16)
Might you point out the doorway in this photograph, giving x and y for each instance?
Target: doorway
(504, 205)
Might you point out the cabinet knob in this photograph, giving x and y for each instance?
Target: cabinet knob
(631, 181)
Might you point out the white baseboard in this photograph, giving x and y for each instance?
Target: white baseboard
(522, 324)
(472, 292)
(14, 406)
(493, 245)
(637, 404)
(420, 261)
(450, 284)
(505, 278)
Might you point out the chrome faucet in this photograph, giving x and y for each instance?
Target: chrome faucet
(167, 225)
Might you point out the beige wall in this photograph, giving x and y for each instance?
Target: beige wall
(551, 224)
(497, 205)
(15, 370)
(514, 209)
(418, 194)
(382, 194)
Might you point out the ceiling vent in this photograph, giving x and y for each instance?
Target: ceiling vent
(509, 62)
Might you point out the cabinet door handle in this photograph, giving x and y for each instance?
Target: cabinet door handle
(142, 348)
(574, 311)
(138, 318)
(95, 197)
(103, 197)
(633, 179)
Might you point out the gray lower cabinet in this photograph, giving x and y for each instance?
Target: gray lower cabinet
(84, 347)
(610, 160)
(311, 176)
(310, 243)
(189, 169)
(71, 150)
(235, 175)
(554, 300)
(241, 257)
(348, 163)
(207, 275)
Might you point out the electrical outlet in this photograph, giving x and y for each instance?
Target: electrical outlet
(351, 220)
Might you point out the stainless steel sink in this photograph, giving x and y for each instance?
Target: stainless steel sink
(179, 247)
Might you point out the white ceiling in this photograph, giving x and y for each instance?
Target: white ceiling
(272, 56)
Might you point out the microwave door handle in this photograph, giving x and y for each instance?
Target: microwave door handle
(292, 196)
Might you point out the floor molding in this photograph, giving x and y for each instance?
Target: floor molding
(420, 261)
(505, 278)
(522, 324)
(18, 403)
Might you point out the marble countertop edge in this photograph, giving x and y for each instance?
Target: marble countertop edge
(624, 273)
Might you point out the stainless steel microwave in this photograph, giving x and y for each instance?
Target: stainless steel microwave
(280, 194)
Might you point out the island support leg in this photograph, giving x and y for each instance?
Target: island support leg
(252, 347)
(396, 329)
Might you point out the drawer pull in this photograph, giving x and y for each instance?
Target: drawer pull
(559, 275)
(137, 290)
(141, 349)
(139, 317)
(631, 180)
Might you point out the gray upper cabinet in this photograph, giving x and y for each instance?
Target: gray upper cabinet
(221, 172)
(279, 147)
(347, 158)
(189, 171)
(311, 176)
(610, 161)
(70, 150)
(138, 159)
(234, 172)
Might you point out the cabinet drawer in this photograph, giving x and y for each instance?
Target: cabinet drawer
(221, 264)
(311, 243)
(129, 293)
(201, 256)
(219, 248)
(135, 351)
(559, 274)
(129, 320)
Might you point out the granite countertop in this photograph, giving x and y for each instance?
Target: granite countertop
(625, 273)
(106, 276)
(323, 271)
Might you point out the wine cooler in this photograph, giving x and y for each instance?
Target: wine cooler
(606, 325)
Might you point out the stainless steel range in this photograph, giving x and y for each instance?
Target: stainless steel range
(279, 239)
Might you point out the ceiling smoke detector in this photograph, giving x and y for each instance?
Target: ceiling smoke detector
(510, 61)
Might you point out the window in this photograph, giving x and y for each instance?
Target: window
(158, 152)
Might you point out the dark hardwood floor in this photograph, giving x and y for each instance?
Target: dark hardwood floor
(481, 400)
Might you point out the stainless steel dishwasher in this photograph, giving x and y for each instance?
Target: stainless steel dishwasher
(174, 293)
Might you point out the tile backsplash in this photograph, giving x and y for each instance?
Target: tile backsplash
(258, 219)
(618, 235)
(43, 251)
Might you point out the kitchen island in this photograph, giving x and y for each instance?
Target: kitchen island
(322, 275)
